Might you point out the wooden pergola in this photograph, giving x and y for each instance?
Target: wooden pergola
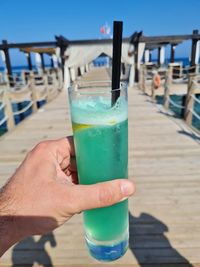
(151, 43)
(156, 42)
(40, 50)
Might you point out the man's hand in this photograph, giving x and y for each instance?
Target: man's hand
(44, 193)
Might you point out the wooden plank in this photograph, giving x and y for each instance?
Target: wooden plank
(164, 163)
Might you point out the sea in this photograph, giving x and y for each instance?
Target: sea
(101, 61)
(18, 69)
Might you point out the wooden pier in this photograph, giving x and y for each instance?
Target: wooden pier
(164, 163)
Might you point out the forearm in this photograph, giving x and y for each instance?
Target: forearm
(9, 228)
(8, 236)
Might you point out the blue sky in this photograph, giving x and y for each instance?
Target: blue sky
(40, 20)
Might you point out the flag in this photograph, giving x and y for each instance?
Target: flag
(105, 29)
(102, 30)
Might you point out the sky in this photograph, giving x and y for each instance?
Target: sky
(41, 20)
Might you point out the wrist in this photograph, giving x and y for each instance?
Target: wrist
(10, 231)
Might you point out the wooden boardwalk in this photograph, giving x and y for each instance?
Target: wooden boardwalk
(163, 162)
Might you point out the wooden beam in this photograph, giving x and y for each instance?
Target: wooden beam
(194, 46)
(24, 45)
(136, 60)
(167, 38)
(54, 43)
(96, 41)
(7, 57)
(147, 39)
(45, 50)
(158, 61)
(42, 61)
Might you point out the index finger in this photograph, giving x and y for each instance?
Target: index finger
(66, 146)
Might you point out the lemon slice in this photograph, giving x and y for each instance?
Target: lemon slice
(78, 127)
(112, 122)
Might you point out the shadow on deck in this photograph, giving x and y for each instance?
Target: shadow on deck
(149, 243)
(29, 252)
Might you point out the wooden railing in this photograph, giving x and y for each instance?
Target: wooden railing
(32, 90)
(189, 77)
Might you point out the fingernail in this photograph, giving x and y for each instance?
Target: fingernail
(127, 188)
(124, 198)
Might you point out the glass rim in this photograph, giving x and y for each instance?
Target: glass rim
(74, 88)
(92, 81)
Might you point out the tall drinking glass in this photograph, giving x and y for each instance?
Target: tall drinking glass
(101, 143)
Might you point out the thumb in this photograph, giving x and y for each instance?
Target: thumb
(84, 197)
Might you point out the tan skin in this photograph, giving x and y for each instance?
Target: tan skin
(44, 193)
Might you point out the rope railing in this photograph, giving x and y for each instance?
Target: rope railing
(175, 104)
(196, 84)
(16, 93)
(3, 120)
(2, 106)
(195, 98)
(195, 114)
(23, 110)
(174, 77)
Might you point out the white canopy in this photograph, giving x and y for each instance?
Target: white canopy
(81, 55)
(146, 56)
(55, 60)
(38, 62)
(197, 53)
(162, 55)
(2, 54)
(78, 55)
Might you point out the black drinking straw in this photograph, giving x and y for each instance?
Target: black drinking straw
(116, 60)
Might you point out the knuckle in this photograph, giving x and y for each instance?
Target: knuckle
(41, 147)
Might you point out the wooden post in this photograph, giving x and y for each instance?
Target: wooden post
(62, 43)
(123, 69)
(158, 62)
(189, 100)
(52, 63)
(136, 61)
(42, 61)
(167, 88)
(135, 39)
(46, 84)
(144, 73)
(140, 84)
(62, 55)
(7, 57)
(150, 55)
(33, 93)
(172, 56)
(8, 110)
(193, 51)
(153, 95)
(79, 72)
